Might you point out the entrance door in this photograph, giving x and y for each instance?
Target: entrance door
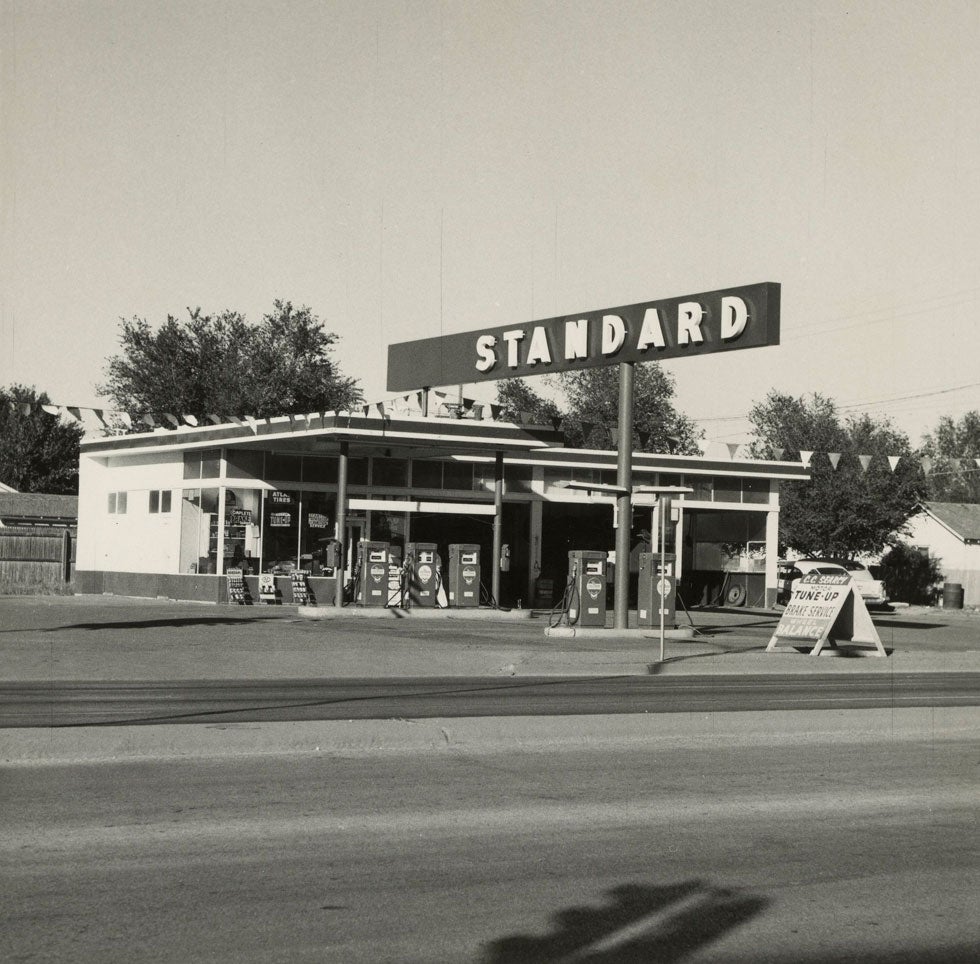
(355, 533)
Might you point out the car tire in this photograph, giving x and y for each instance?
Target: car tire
(735, 596)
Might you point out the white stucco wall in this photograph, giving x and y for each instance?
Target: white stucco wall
(959, 562)
(137, 540)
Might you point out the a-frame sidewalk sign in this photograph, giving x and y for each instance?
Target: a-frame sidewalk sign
(825, 609)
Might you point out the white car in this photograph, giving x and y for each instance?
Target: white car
(789, 571)
(872, 590)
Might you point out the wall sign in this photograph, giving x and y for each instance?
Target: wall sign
(724, 320)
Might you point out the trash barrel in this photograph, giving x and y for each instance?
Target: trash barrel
(953, 595)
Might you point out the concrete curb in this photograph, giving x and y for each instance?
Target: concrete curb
(597, 632)
(421, 612)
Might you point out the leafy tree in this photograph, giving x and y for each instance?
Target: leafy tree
(954, 446)
(38, 451)
(909, 575)
(223, 365)
(522, 404)
(847, 510)
(590, 412)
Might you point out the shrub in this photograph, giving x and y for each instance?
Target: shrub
(909, 576)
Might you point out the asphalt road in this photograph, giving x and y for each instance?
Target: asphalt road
(724, 851)
(40, 704)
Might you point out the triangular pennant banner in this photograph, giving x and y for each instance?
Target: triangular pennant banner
(732, 447)
(51, 409)
(556, 421)
(99, 414)
(586, 430)
(778, 454)
(978, 462)
(495, 410)
(171, 419)
(644, 437)
(380, 406)
(926, 464)
(148, 420)
(893, 461)
(865, 461)
(468, 403)
(805, 457)
(76, 413)
(191, 420)
(834, 459)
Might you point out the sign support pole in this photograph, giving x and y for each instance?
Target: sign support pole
(338, 596)
(624, 482)
(498, 524)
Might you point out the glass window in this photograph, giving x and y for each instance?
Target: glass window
(159, 501)
(457, 475)
(704, 487)
(317, 529)
(154, 501)
(318, 469)
(357, 471)
(111, 505)
(245, 463)
(426, 474)
(242, 529)
(728, 490)
(755, 490)
(391, 472)
(165, 500)
(202, 464)
(280, 531)
(518, 477)
(282, 468)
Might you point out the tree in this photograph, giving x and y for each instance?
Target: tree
(954, 447)
(222, 365)
(844, 511)
(38, 451)
(591, 408)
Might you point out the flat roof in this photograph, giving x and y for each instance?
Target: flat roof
(465, 438)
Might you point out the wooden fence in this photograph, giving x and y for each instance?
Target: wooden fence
(36, 560)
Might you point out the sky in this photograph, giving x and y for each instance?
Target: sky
(410, 169)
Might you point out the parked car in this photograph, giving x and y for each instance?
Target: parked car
(872, 590)
(788, 571)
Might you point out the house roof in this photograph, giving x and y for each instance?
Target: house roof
(36, 507)
(961, 518)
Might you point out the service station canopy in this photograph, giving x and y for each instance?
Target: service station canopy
(700, 324)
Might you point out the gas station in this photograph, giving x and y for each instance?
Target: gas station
(381, 509)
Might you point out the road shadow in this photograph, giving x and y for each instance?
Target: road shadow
(637, 924)
(172, 623)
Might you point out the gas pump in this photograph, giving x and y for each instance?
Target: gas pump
(657, 590)
(587, 587)
(464, 575)
(396, 593)
(422, 572)
(372, 565)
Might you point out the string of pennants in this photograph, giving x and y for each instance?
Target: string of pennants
(926, 462)
(460, 408)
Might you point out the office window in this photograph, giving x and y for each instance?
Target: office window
(117, 503)
(202, 464)
(159, 501)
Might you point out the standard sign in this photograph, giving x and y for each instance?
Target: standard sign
(746, 317)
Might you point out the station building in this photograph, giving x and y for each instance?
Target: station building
(169, 512)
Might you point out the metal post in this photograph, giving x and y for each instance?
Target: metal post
(624, 481)
(664, 512)
(425, 402)
(341, 521)
(498, 524)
